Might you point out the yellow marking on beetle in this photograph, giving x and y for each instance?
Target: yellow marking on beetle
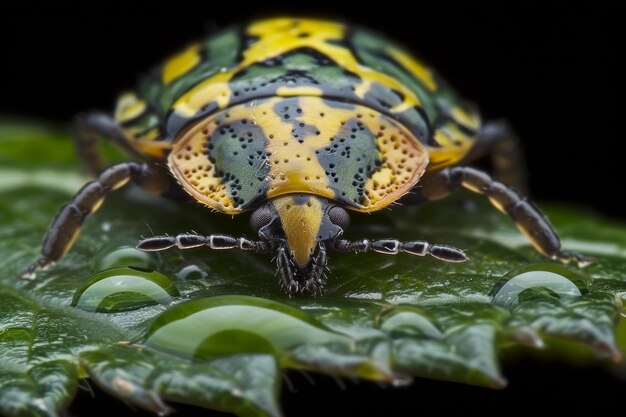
(302, 90)
(399, 108)
(469, 119)
(96, 205)
(290, 173)
(404, 161)
(215, 88)
(533, 239)
(417, 69)
(71, 239)
(277, 37)
(156, 149)
(454, 146)
(301, 224)
(147, 143)
(362, 88)
(494, 201)
(129, 106)
(188, 163)
(181, 64)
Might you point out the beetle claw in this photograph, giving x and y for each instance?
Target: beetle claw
(31, 272)
(581, 261)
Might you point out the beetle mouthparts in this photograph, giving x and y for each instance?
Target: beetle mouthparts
(309, 279)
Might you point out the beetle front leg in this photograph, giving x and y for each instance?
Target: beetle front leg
(68, 221)
(394, 246)
(528, 219)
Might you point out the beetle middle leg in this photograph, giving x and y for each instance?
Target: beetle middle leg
(528, 219)
(91, 128)
(68, 221)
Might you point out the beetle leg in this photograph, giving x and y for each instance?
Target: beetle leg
(501, 143)
(91, 128)
(192, 240)
(394, 246)
(528, 219)
(66, 225)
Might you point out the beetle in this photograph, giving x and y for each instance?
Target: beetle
(298, 121)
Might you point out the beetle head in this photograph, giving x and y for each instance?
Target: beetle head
(299, 225)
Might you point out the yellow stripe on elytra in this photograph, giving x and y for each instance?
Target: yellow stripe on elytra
(454, 146)
(301, 223)
(279, 36)
(293, 165)
(129, 106)
(417, 69)
(215, 88)
(301, 90)
(470, 120)
(181, 64)
(149, 146)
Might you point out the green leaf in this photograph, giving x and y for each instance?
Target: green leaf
(213, 329)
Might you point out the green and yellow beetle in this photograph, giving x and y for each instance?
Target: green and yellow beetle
(298, 120)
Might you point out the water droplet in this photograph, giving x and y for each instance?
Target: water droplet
(196, 270)
(113, 256)
(123, 289)
(537, 281)
(227, 325)
(409, 321)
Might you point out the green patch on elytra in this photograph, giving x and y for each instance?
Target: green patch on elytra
(237, 148)
(349, 160)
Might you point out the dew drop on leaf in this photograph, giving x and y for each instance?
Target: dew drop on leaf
(537, 280)
(227, 325)
(123, 255)
(195, 270)
(409, 321)
(122, 289)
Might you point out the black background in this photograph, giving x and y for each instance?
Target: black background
(550, 68)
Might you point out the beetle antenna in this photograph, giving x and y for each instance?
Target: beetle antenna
(394, 246)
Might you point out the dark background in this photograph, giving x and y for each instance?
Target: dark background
(550, 68)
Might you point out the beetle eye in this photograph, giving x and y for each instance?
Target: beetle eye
(261, 218)
(339, 217)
